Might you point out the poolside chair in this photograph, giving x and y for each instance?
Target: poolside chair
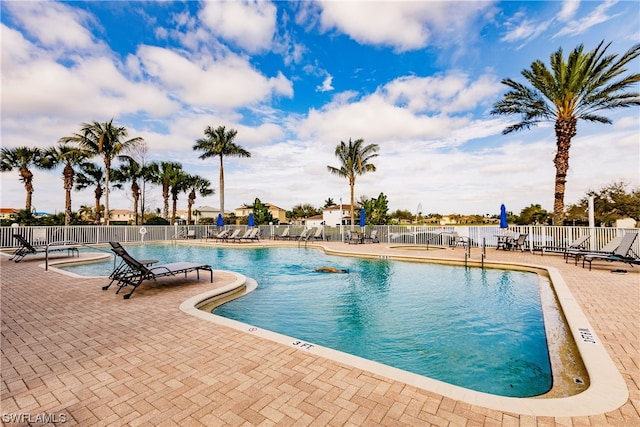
(123, 269)
(282, 236)
(623, 253)
(136, 272)
(253, 235)
(233, 236)
(355, 237)
(517, 243)
(371, 237)
(27, 248)
(191, 234)
(239, 238)
(580, 252)
(576, 245)
(318, 235)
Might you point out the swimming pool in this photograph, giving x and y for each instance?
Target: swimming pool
(479, 329)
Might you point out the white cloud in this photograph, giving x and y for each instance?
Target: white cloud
(249, 24)
(326, 84)
(569, 9)
(597, 16)
(227, 83)
(378, 23)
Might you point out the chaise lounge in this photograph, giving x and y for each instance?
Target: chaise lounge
(134, 272)
(622, 253)
(27, 248)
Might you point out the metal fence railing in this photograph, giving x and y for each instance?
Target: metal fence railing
(389, 234)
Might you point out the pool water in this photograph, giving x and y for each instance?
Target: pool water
(481, 329)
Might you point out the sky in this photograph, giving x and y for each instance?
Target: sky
(417, 78)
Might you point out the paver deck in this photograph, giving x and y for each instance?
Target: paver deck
(75, 354)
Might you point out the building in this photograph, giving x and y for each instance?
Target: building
(335, 215)
(124, 215)
(277, 213)
(8, 214)
(202, 212)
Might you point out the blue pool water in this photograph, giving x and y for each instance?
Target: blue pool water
(479, 329)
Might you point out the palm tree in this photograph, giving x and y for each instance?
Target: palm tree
(92, 175)
(354, 160)
(199, 185)
(178, 183)
(587, 82)
(130, 171)
(163, 174)
(71, 157)
(23, 159)
(219, 142)
(106, 140)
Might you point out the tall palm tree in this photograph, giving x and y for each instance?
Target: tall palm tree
(587, 82)
(219, 142)
(92, 175)
(106, 140)
(179, 183)
(71, 157)
(24, 159)
(131, 171)
(163, 174)
(354, 161)
(199, 185)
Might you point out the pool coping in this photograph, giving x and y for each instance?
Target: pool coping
(607, 390)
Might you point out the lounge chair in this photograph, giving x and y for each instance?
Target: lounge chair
(191, 234)
(517, 243)
(605, 250)
(355, 237)
(622, 253)
(217, 236)
(577, 244)
(27, 248)
(239, 238)
(372, 237)
(136, 272)
(253, 235)
(318, 235)
(282, 236)
(123, 269)
(233, 236)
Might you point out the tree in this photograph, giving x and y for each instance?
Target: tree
(131, 171)
(302, 210)
(611, 202)
(72, 158)
(106, 140)
(162, 174)
(178, 183)
(261, 214)
(328, 202)
(23, 159)
(197, 185)
(219, 142)
(376, 210)
(578, 88)
(91, 175)
(354, 159)
(533, 214)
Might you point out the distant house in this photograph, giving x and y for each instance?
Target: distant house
(276, 212)
(202, 212)
(125, 215)
(315, 221)
(8, 214)
(335, 215)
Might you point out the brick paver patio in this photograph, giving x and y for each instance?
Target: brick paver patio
(75, 354)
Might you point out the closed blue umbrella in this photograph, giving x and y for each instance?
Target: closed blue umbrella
(362, 219)
(251, 221)
(503, 217)
(220, 221)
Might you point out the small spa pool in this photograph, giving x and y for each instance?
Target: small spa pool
(480, 329)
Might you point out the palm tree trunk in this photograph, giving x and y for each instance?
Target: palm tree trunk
(27, 178)
(135, 193)
(221, 187)
(565, 130)
(98, 196)
(352, 184)
(107, 169)
(68, 185)
(165, 197)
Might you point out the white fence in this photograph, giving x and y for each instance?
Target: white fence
(387, 234)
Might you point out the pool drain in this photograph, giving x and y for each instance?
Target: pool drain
(578, 381)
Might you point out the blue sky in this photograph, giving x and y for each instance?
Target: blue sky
(418, 78)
